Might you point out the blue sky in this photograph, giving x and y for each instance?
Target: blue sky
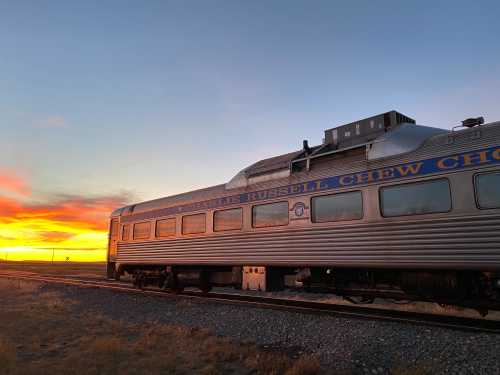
(161, 97)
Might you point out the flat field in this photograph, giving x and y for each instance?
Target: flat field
(43, 332)
(87, 269)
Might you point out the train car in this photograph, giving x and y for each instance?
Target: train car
(382, 208)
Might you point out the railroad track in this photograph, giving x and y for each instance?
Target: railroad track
(302, 306)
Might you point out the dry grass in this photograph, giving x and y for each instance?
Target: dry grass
(306, 365)
(42, 335)
(422, 369)
(57, 268)
(7, 356)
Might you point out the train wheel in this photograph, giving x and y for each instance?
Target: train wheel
(204, 281)
(110, 271)
(172, 284)
(138, 280)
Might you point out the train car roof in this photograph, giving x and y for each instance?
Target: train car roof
(404, 142)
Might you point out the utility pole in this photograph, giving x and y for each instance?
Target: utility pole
(53, 250)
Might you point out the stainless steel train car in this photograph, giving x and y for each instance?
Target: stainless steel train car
(382, 208)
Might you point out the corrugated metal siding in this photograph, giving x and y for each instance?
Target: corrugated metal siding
(461, 242)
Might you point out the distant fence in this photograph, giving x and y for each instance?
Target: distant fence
(54, 254)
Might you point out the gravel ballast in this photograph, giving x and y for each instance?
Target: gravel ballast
(343, 344)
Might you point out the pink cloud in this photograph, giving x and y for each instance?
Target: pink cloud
(12, 182)
(53, 122)
(83, 212)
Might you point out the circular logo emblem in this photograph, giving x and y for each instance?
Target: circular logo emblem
(299, 209)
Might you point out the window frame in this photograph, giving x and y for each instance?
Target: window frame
(194, 233)
(227, 230)
(123, 231)
(114, 228)
(141, 238)
(165, 219)
(339, 193)
(272, 226)
(414, 183)
(474, 183)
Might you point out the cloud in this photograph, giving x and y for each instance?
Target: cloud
(58, 221)
(65, 221)
(9, 207)
(77, 225)
(55, 237)
(5, 238)
(12, 182)
(88, 212)
(53, 122)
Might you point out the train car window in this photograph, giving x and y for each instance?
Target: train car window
(416, 198)
(125, 232)
(165, 227)
(270, 215)
(231, 219)
(142, 230)
(192, 224)
(336, 207)
(487, 188)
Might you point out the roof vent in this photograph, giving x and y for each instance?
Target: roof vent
(305, 147)
(354, 136)
(471, 122)
(363, 131)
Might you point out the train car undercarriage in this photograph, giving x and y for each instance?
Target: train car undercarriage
(471, 289)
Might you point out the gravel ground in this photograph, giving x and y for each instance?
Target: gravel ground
(348, 345)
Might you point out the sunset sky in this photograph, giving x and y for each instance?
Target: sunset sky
(104, 103)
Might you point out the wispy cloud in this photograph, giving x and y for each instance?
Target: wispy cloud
(62, 220)
(54, 236)
(73, 221)
(89, 212)
(10, 181)
(53, 122)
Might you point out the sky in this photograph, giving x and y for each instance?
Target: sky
(105, 103)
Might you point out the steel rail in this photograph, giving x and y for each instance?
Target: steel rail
(299, 306)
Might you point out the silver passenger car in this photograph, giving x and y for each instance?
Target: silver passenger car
(384, 207)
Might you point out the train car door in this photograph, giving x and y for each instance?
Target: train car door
(113, 240)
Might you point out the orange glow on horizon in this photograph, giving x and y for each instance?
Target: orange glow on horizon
(75, 227)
